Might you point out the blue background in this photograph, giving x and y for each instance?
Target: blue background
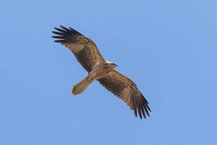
(169, 48)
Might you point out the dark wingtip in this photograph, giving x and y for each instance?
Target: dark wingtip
(58, 33)
(60, 37)
(140, 114)
(143, 112)
(66, 29)
(135, 112)
(141, 107)
(59, 30)
(148, 107)
(65, 35)
(59, 41)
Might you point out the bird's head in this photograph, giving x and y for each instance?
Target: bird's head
(112, 64)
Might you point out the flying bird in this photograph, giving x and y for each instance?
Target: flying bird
(88, 55)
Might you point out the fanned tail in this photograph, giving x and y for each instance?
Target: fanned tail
(81, 86)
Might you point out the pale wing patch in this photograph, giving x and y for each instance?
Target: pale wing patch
(125, 96)
(74, 47)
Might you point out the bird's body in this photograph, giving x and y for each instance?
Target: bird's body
(88, 55)
(99, 71)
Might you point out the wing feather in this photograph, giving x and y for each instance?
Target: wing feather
(126, 90)
(84, 49)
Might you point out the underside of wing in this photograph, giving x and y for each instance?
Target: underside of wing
(126, 90)
(84, 49)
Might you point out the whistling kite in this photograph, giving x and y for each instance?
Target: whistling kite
(86, 52)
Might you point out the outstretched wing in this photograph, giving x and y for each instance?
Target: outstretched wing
(84, 49)
(126, 90)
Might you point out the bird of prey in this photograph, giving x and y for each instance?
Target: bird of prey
(88, 55)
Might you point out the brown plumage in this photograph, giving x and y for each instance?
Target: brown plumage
(88, 55)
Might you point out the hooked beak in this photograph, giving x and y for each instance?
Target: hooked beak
(116, 65)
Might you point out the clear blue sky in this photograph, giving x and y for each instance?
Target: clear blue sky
(169, 48)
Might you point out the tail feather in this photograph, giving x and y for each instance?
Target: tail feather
(81, 86)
